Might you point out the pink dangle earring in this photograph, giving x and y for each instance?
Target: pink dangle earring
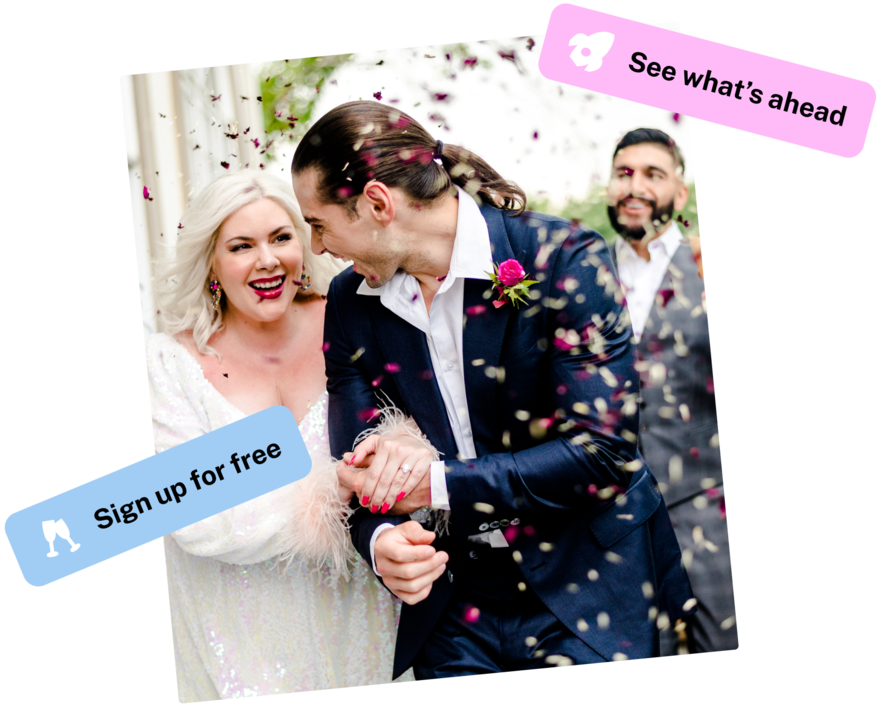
(216, 293)
(306, 280)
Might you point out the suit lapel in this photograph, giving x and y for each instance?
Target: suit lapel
(483, 337)
(405, 346)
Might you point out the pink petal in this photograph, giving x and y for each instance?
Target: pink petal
(472, 615)
(368, 414)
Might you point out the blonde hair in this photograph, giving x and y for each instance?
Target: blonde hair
(182, 276)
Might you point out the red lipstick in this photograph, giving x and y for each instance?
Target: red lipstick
(269, 288)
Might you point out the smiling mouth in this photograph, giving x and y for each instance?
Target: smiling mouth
(268, 288)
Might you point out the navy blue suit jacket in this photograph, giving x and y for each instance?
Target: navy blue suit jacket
(553, 401)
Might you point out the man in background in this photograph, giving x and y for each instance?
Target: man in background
(661, 273)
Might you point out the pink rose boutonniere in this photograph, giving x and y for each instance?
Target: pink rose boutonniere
(510, 281)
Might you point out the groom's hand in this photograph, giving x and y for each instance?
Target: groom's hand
(407, 563)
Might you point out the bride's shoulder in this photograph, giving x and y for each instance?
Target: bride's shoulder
(170, 352)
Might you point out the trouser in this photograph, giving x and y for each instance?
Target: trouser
(494, 623)
(706, 554)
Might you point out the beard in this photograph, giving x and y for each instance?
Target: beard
(657, 219)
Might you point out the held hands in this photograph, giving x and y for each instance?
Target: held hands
(383, 471)
(407, 563)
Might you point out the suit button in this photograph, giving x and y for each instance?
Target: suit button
(493, 525)
(484, 526)
(473, 555)
(515, 521)
(449, 575)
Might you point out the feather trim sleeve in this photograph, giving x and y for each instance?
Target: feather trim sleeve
(317, 528)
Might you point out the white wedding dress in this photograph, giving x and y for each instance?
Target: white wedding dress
(242, 624)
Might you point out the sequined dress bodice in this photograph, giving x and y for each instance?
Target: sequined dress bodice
(242, 624)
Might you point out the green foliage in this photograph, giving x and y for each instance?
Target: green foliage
(592, 212)
(290, 89)
(540, 206)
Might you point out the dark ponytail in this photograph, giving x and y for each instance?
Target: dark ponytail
(364, 140)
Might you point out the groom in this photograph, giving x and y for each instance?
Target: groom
(559, 548)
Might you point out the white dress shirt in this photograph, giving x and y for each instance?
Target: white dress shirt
(443, 327)
(641, 279)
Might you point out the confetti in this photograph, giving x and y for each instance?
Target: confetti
(664, 295)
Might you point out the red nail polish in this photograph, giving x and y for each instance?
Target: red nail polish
(374, 508)
(365, 500)
(385, 508)
(400, 495)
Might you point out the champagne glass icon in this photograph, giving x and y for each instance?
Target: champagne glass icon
(64, 532)
(49, 535)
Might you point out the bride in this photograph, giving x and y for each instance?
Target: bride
(265, 597)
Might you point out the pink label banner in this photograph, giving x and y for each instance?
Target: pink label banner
(707, 80)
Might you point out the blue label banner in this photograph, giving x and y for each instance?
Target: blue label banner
(156, 496)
